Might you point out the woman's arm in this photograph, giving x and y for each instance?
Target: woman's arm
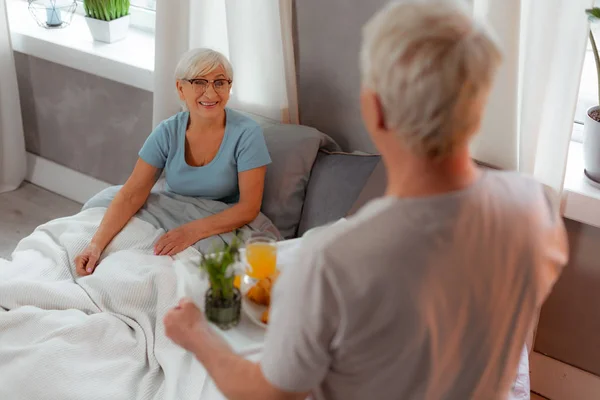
(251, 184)
(126, 203)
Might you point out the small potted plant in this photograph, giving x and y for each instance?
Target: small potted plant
(108, 20)
(223, 301)
(591, 138)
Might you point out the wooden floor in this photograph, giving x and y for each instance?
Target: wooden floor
(22, 210)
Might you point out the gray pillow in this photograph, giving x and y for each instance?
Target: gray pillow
(373, 188)
(336, 183)
(293, 149)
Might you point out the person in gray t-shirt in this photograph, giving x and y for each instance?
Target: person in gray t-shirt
(430, 291)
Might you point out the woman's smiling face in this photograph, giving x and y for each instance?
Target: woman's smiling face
(206, 95)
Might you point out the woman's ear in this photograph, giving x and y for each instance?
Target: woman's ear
(179, 87)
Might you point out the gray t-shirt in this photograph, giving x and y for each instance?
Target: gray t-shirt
(420, 298)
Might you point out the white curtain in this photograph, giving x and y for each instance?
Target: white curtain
(529, 119)
(13, 166)
(255, 35)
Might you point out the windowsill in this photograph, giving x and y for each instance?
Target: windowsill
(129, 61)
(582, 199)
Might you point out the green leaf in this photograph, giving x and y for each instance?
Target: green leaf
(89, 8)
(593, 14)
(112, 9)
(105, 10)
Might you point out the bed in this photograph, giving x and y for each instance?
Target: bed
(101, 336)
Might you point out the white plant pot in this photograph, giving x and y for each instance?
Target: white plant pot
(108, 31)
(591, 146)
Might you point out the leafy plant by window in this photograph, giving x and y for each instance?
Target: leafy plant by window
(106, 10)
(594, 16)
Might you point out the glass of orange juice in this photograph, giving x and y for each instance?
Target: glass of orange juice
(261, 256)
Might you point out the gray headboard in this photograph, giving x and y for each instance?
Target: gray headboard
(328, 37)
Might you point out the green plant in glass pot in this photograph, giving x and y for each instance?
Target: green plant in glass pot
(223, 301)
(108, 20)
(591, 138)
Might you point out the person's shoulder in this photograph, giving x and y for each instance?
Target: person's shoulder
(242, 123)
(521, 200)
(339, 244)
(512, 179)
(174, 123)
(350, 256)
(516, 189)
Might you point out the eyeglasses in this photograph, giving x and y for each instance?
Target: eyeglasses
(200, 85)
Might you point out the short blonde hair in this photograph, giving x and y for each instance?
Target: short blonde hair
(201, 61)
(432, 66)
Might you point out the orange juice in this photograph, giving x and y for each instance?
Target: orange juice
(262, 258)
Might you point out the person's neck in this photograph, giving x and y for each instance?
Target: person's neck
(199, 124)
(411, 176)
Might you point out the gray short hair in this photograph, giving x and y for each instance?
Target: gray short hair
(432, 66)
(201, 61)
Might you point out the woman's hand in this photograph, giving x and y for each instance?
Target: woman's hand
(86, 262)
(176, 240)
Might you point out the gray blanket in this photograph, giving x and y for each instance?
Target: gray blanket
(168, 210)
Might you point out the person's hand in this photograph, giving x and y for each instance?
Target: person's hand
(87, 260)
(175, 241)
(185, 325)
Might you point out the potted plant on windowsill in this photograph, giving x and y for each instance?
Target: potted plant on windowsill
(223, 301)
(108, 20)
(591, 138)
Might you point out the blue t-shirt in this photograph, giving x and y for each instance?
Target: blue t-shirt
(243, 148)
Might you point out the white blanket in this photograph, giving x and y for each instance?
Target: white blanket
(97, 337)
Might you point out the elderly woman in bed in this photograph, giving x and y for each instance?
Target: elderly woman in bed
(208, 151)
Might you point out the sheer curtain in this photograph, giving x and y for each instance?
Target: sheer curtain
(255, 35)
(529, 118)
(13, 166)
